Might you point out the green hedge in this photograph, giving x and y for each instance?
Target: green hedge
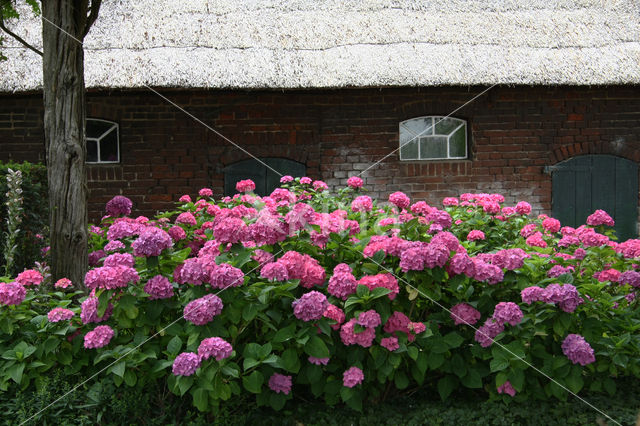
(35, 213)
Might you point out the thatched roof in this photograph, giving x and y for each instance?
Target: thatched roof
(344, 43)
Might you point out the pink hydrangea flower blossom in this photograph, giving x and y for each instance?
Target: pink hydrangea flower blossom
(400, 199)
(369, 319)
(310, 307)
(246, 185)
(475, 235)
(336, 314)
(274, 271)
(151, 242)
(463, 313)
(280, 383)
(225, 275)
(29, 277)
(600, 217)
(362, 203)
(390, 343)
(63, 283)
(185, 199)
(450, 201)
(523, 208)
(99, 337)
(354, 182)
(342, 284)
(111, 277)
(384, 280)
(352, 377)
(89, 311)
(488, 331)
(158, 287)
(507, 388)
(578, 350)
(286, 179)
(536, 240)
(205, 192)
(305, 180)
(318, 361)
(202, 311)
(551, 225)
(119, 206)
(320, 186)
(59, 314)
(230, 230)
(507, 312)
(215, 347)
(186, 364)
(117, 259)
(113, 246)
(186, 218)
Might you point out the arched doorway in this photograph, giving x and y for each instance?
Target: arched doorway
(585, 183)
(265, 179)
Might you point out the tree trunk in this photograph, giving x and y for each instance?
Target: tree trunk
(64, 106)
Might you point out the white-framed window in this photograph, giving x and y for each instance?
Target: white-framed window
(103, 141)
(433, 138)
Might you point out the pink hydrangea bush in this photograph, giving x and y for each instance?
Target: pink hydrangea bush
(304, 291)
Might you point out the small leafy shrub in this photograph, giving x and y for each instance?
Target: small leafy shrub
(335, 298)
(31, 237)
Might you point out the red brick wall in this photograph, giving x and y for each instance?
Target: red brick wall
(514, 134)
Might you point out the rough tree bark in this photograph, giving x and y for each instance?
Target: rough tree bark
(65, 23)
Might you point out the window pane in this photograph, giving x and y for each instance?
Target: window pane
(445, 126)
(92, 151)
(409, 151)
(457, 143)
(109, 146)
(96, 128)
(433, 147)
(417, 126)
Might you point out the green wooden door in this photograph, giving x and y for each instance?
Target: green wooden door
(586, 183)
(266, 180)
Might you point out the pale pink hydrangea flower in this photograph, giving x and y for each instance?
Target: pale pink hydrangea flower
(186, 364)
(349, 336)
(230, 230)
(99, 337)
(491, 207)
(362, 203)
(59, 314)
(215, 347)
(280, 383)
(352, 377)
(111, 277)
(528, 230)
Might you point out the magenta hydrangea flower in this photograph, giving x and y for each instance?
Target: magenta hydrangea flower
(151, 242)
(230, 230)
(202, 311)
(89, 311)
(205, 192)
(413, 259)
(463, 313)
(612, 275)
(186, 218)
(116, 259)
(600, 217)
(342, 284)
(29, 277)
(119, 206)
(352, 377)
(159, 287)
(63, 283)
(490, 207)
(280, 383)
(488, 331)
(450, 201)
(225, 276)
(274, 271)
(286, 179)
(551, 225)
(399, 199)
(12, 293)
(59, 314)
(461, 263)
(320, 186)
(269, 228)
(354, 182)
(487, 272)
(570, 298)
(630, 277)
(509, 259)
(336, 314)
(215, 347)
(113, 246)
(123, 228)
(390, 343)
(362, 203)
(99, 337)
(578, 350)
(318, 361)
(186, 364)
(246, 185)
(475, 235)
(111, 277)
(305, 180)
(532, 294)
(507, 388)
(95, 257)
(523, 208)
(369, 319)
(185, 198)
(349, 336)
(507, 312)
(177, 233)
(311, 306)
(536, 240)
(384, 280)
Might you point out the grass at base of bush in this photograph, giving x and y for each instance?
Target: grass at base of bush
(103, 403)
